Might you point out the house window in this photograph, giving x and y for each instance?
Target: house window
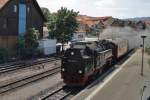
(22, 1)
(5, 24)
(15, 8)
(28, 9)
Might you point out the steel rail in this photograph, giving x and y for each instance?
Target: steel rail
(28, 80)
(23, 65)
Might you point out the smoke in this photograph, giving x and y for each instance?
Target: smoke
(147, 40)
(134, 36)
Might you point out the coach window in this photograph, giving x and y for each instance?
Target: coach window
(98, 60)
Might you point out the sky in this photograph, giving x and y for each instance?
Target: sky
(115, 8)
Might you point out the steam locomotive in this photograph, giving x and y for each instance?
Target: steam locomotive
(86, 59)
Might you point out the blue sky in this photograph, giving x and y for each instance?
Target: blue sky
(115, 8)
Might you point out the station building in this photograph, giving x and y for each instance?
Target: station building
(16, 17)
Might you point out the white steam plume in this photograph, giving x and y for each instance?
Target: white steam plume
(127, 33)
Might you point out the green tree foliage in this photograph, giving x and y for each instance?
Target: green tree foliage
(49, 16)
(3, 55)
(28, 44)
(51, 20)
(31, 39)
(46, 13)
(64, 25)
(21, 46)
(52, 26)
(149, 61)
(147, 49)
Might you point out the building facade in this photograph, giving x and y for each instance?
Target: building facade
(16, 17)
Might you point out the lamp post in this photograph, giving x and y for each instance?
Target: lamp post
(143, 37)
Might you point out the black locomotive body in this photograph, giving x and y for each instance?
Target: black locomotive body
(87, 59)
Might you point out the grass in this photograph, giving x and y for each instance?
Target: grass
(149, 61)
(147, 49)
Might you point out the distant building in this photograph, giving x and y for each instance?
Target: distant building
(147, 23)
(79, 36)
(118, 23)
(16, 17)
(90, 25)
(137, 25)
(140, 25)
(45, 32)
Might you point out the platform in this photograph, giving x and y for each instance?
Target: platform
(124, 83)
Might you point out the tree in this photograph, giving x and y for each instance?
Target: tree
(31, 43)
(52, 26)
(46, 13)
(3, 55)
(51, 20)
(27, 45)
(64, 25)
(21, 46)
(31, 39)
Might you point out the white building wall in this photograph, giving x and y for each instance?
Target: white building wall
(80, 36)
(47, 46)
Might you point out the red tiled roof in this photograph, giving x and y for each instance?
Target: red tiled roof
(91, 20)
(147, 22)
(2, 3)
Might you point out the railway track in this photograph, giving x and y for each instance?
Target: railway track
(59, 94)
(21, 65)
(63, 92)
(30, 79)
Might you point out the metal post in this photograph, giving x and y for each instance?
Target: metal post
(142, 58)
(143, 37)
(99, 36)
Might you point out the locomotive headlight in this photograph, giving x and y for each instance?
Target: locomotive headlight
(80, 72)
(63, 69)
(72, 53)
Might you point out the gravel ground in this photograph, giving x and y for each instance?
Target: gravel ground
(23, 93)
(13, 76)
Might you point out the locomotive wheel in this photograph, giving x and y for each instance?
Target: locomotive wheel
(99, 72)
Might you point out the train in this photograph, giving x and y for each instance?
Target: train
(86, 59)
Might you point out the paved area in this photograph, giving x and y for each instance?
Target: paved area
(125, 85)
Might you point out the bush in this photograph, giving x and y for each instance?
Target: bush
(27, 45)
(149, 61)
(21, 46)
(3, 55)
